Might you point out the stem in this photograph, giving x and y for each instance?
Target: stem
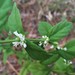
(14, 40)
(36, 40)
(8, 41)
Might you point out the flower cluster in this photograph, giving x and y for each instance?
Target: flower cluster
(67, 62)
(22, 40)
(45, 42)
(59, 48)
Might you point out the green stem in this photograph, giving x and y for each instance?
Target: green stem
(36, 40)
(14, 40)
(8, 41)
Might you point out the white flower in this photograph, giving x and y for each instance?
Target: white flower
(64, 60)
(65, 49)
(15, 43)
(22, 40)
(52, 47)
(40, 43)
(67, 62)
(45, 42)
(70, 62)
(23, 44)
(58, 47)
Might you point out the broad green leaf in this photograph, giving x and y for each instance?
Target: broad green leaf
(34, 68)
(70, 45)
(66, 55)
(60, 66)
(6, 4)
(51, 60)
(3, 22)
(36, 52)
(44, 28)
(5, 8)
(4, 13)
(60, 30)
(14, 21)
(1, 3)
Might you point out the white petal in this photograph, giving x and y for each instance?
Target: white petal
(65, 49)
(24, 45)
(40, 43)
(52, 47)
(58, 47)
(70, 62)
(15, 43)
(43, 36)
(16, 33)
(45, 42)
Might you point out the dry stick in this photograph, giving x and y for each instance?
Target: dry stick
(12, 67)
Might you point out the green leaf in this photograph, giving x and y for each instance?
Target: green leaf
(60, 66)
(70, 45)
(51, 60)
(44, 28)
(1, 3)
(14, 21)
(6, 4)
(34, 68)
(36, 52)
(5, 8)
(60, 30)
(65, 55)
(4, 13)
(3, 22)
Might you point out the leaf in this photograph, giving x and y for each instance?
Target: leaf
(51, 60)
(34, 68)
(70, 45)
(60, 66)
(65, 55)
(3, 22)
(1, 3)
(14, 21)
(4, 13)
(6, 4)
(5, 7)
(60, 30)
(44, 28)
(36, 52)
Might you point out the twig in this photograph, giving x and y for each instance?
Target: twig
(12, 67)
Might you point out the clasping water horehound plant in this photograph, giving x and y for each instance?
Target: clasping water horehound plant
(36, 60)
